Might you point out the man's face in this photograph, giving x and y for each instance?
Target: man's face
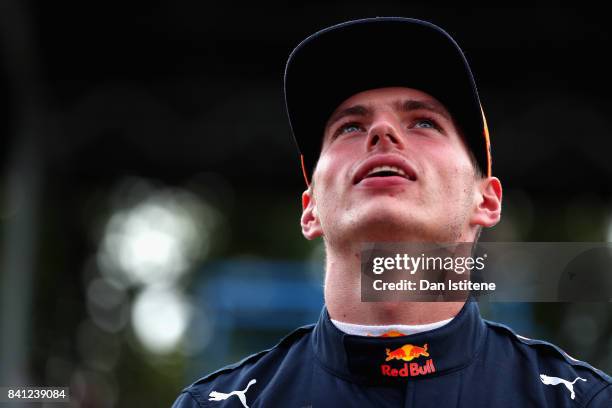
(393, 167)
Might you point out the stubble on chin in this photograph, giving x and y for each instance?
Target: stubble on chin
(391, 227)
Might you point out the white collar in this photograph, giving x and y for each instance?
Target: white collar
(379, 330)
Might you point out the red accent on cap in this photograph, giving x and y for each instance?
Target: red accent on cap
(485, 132)
(304, 170)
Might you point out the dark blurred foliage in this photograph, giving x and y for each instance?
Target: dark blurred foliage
(188, 96)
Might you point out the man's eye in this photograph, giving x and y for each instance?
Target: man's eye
(349, 128)
(425, 123)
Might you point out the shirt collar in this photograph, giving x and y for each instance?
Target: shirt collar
(395, 360)
(389, 330)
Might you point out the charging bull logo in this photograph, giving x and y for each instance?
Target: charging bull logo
(408, 352)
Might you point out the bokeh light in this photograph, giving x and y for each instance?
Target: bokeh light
(156, 239)
(160, 316)
(153, 237)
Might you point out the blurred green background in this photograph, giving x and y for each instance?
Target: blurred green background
(150, 190)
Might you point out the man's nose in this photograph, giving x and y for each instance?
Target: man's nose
(383, 135)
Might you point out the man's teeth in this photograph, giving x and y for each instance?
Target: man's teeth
(386, 169)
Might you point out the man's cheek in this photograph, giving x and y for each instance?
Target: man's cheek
(325, 172)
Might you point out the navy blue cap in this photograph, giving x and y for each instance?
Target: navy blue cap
(337, 62)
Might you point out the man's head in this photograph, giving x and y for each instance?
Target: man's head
(394, 166)
(396, 94)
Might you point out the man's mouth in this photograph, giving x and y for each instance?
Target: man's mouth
(381, 167)
(386, 171)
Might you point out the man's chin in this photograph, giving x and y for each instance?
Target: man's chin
(390, 226)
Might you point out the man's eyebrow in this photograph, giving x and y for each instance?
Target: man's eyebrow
(412, 104)
(356, 110)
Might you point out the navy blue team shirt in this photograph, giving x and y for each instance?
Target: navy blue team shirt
(470, 362)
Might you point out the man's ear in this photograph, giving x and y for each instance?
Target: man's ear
(488, 206)
(311, 227)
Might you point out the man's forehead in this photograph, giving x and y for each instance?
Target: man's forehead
(400, 99)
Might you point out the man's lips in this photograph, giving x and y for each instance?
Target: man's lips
(385, 167)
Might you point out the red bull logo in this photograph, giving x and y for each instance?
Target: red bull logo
(406, 353)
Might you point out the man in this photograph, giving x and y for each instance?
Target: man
(394, 148)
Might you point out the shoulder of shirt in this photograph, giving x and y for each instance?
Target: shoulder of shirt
(284, 344)
(539, 346)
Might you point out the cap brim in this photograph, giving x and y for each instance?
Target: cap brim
(335, 63)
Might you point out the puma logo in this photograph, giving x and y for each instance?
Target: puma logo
(556, 381)
(220, 396)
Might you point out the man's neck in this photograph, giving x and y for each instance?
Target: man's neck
(343, 297)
